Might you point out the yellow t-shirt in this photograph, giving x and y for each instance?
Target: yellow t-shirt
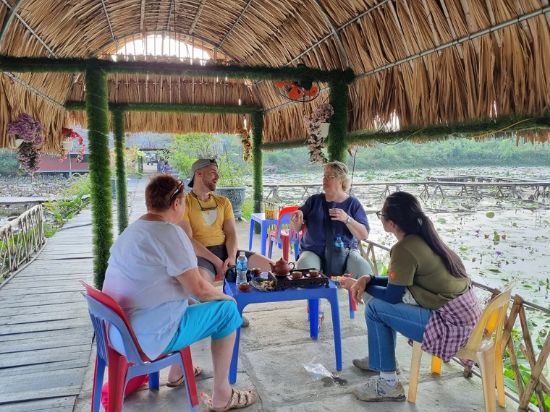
(206, 218)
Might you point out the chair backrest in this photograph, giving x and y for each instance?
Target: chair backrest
(104, 310)
(491, 322)
(284, 217)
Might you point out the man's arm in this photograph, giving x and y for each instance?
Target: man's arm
(196, 285)
(201, 250)
(230, 231)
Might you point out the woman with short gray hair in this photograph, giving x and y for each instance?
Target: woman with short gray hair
(333, 218)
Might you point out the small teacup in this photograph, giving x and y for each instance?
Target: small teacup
(245, 287)
(314, 273)
(297, 275)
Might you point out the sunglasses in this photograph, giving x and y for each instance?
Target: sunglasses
(205, 209)
(178, 190)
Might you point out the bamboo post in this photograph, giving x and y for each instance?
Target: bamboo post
(100, 175)
(257, 129)
(336, 141)
(122, 196)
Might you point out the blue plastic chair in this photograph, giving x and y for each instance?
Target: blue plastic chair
(105, 312)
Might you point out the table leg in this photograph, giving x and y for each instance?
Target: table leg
(265, 226)
(286, 247)
(251, 234)
(335, 312)
(313, 305)
(235, 357)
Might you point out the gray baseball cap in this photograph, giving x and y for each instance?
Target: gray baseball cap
(199, 164)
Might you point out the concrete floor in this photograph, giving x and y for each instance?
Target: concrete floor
(274, 350)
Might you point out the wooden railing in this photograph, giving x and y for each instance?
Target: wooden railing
(289, 193)
(517, 340)
(20, 239)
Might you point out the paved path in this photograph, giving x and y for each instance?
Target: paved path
(45, 331)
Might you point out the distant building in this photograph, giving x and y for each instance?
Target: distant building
(50, 164)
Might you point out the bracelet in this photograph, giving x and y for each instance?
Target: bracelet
(348, 219)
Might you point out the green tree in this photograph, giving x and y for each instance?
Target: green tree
(8, 163)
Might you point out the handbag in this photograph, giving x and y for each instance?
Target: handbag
(336, 258)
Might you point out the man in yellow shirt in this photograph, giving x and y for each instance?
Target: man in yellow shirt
(210, 224)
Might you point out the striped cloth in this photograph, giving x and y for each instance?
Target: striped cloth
(450, 326)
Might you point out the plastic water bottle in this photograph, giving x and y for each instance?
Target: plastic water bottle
(242, 268)
(339, 242)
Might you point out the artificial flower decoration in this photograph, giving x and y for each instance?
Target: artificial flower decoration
(247, 145)
(30, 131)
(315, 140)
(70, 135)
(298, 91)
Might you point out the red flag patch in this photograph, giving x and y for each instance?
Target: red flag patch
(392, 275)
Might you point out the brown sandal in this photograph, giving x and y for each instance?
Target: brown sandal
(239, 399)
(196, 371)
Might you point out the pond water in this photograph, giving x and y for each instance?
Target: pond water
(501, 240)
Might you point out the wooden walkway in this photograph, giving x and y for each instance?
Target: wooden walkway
(45, 331)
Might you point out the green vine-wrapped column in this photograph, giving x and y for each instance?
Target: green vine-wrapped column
(336, 142)
(100, 175)
(257, 129)
(122, 197)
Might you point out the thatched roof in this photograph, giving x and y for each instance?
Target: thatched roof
(422, 61)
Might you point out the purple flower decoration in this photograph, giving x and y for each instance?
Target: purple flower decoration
(27, 128)
(30, 131)
(498, 253)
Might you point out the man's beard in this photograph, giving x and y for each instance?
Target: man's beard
(210, 185)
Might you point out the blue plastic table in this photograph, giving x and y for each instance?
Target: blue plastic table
(264, 223)
(312, 295)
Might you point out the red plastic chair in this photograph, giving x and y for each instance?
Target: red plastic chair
(282, 236)
(105, 313)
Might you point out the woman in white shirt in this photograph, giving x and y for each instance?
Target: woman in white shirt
(152, 272)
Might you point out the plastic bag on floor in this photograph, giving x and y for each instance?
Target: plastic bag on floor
(318, 372)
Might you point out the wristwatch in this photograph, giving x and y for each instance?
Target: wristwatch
(348, 219)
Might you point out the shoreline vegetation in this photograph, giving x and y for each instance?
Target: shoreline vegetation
(407, 155)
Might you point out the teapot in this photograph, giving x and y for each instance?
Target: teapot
(281, 267)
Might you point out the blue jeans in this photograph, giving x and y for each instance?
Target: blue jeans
(384, 319)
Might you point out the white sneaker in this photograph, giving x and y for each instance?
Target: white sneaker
(377, 389)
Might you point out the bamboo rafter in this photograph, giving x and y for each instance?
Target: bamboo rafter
(243, 11)
(8, 19)
(108, 20)
(461, 40)
(24, 23)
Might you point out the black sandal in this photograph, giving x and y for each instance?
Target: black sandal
(196, 371)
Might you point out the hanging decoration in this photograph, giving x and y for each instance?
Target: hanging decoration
(298, 91)
(70, 136)
(247, 144)
(317, 130)
(28, 133)
(302, 90)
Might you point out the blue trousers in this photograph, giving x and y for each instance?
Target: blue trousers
(384, 319)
